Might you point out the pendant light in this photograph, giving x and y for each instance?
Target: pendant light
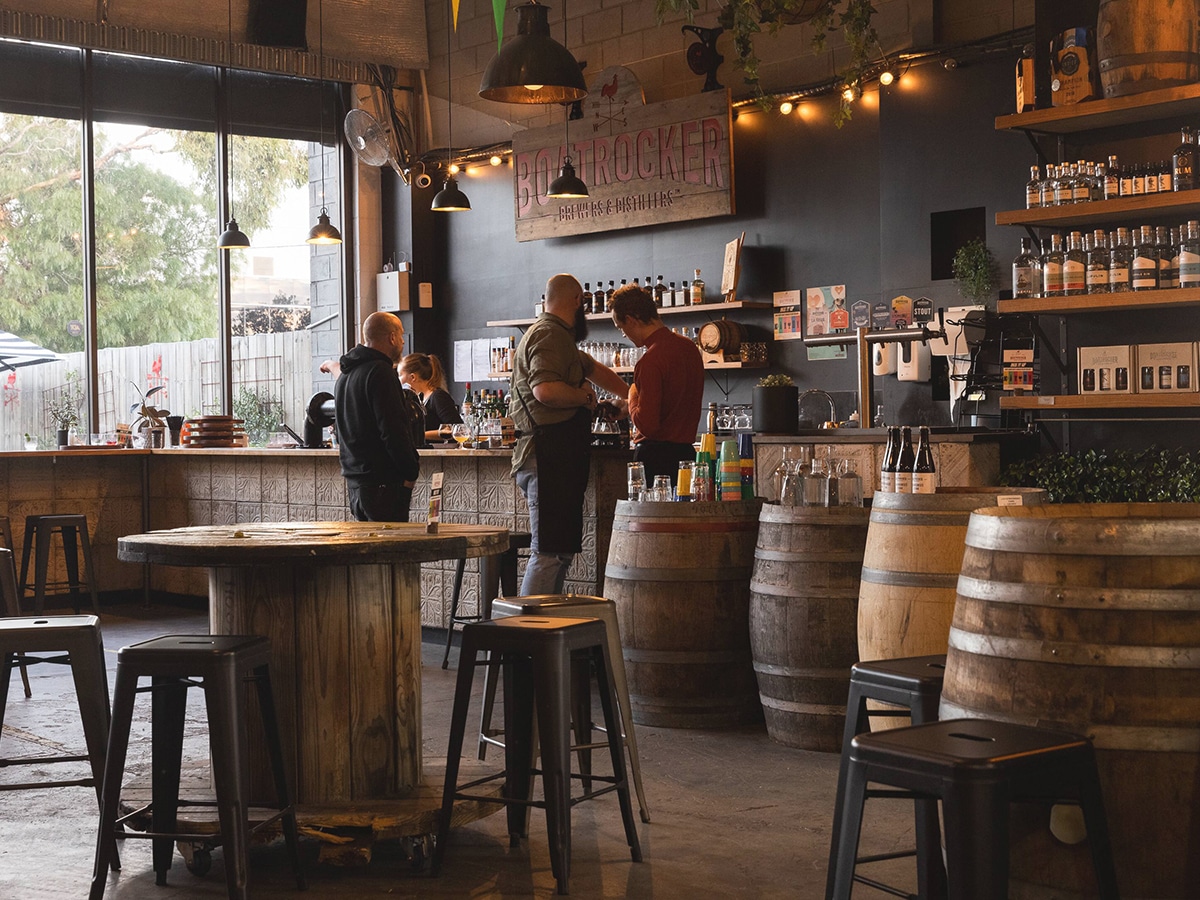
(567, 186)
(232, 238)
(449, 198)
(533, 67)
(324, 232)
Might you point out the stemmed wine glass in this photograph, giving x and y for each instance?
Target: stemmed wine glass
(461, 432)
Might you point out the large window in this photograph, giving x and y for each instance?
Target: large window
(158, 296)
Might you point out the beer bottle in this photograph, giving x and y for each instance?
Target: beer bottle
(905, 463)
(887, 469)
(924, 477)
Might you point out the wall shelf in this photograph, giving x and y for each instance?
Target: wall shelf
(1113, 113)
(1166, 204)
(703, 308)
(1101, 401)
(1129, 300)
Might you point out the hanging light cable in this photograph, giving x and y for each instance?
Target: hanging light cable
(450, 198)
(568, 185)
(232, 238)
(324, 232)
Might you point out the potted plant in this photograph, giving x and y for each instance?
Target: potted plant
(63, 408)
(976, 273)
(149, 417)
(776, 409)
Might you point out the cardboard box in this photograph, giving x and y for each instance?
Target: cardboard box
(1166, 368)
(1105, 370)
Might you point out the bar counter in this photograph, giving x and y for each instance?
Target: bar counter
(125, 492)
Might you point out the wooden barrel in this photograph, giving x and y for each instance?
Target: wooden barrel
(1143, 45)
(910, 567)
(679, 574)
(721, 335)
(1086, 618)
(803, 609)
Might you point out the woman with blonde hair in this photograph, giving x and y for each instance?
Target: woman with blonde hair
(423, 373)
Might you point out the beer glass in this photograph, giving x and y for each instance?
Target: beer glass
(662, 488)
(637, 480)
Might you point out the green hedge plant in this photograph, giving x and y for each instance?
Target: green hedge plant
(1154, 475)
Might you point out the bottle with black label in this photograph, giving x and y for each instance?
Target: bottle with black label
(1112, 179)
(1089, 380)
(1052, 268)
(1025, 269)
(608, 295)
(1189, 256)
(1097, 263)
(887, 469)
(1173, 270)
(1162, 240)
(1119, 261)
(1143, 270)
(587, 297)
(1074, 266)
(660, 293)
(1183, 162)
(1033, 189)
(905, 462)
(924, 473)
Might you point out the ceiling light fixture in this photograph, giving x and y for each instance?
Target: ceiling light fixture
(568, 185)
(324, 232)
(232, 238)
(450, 198)
(533, 67)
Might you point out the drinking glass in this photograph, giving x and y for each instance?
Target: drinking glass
(683, 481)
(849, 484)
(815, 484)
(636, 480)
(461, 433)
(662, 488)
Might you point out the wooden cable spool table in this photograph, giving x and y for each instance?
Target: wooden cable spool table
(340, 602)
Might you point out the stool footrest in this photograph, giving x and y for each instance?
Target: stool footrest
(884, 857)
(34, 785)
(38, 760)
(885, 888)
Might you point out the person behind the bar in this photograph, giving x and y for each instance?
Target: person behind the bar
(668, 384)
(423, 373)
(552, 406)
(375, 440)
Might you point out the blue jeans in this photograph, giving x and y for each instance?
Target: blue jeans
(546, 573)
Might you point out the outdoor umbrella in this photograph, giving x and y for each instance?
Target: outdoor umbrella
(16, 352)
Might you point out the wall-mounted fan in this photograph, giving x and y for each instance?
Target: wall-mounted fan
(376, 143)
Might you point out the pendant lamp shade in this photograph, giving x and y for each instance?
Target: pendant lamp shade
(450, 198)
(567, 186)
(533, 67)
(324, 232)
(232, 238)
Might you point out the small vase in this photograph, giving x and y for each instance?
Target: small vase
(63, 437)
(776, 410)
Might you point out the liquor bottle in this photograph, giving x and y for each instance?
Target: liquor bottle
(1099, 178)
(466, 404)
(587, 297)
(1112, 179)
(1143, 270)
(1162, 242)
(1081, 185)
(684, 297)
(887, 467)
(1183, 162)
(1052, 268)
(1064, 186)
(1048, 185)
(608, 296)
(1024, 268)
(660, 293)
(697, 289)
(1139, 180)
(1165, 176)
(1119, 261)
(1097, 264)
(1126, 187)
(1033, 189)
(672, 298)
(1074, 266)
(1151, 178)
(1189, 256)
(1173, 251)
(924, 473)
(635, 282)
(905, 462)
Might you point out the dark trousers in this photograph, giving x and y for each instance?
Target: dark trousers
(662, 458)
(378, 502)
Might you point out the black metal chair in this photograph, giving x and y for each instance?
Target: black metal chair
(73, 529)
(496, 573)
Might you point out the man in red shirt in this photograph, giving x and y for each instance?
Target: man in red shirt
(668, 384)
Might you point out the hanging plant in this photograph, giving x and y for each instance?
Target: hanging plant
(745, 18)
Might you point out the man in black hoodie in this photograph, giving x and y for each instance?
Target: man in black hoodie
(375, 443)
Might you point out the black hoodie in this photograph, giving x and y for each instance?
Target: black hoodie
(375, 442)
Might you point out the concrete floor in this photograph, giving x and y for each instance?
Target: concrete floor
(734, 814)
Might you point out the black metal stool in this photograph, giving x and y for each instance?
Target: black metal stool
(76, 641)
(538, 654)
(6, 532)
(976, 767)
(914, 683)
(10, 605)
(73, 529)
(496, 573)
(221, 663)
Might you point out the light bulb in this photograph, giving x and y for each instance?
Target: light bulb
(534, 87)
(786, 107)
(886, 77)
(495, 160)
(848, 94)
(453, 170)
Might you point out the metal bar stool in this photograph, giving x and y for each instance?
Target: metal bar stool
(76, 642)
(572, 605)
(73, 529)
(537, 655)
(10, 602)
(914, 683)
(219, 664)
(496, 573)
(976, 767)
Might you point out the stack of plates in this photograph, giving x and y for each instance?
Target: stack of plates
(214, 431)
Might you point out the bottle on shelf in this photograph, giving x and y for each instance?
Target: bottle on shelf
(1183, 162)
(1120, 261)
(587, 297)
(887, 468)
(1165, 176)
(1139, 180)
(1025, 269)
(466, 404)
(1097, 263)
(924, 473)
(1063, 185)
(905, 462)
(1151, 178)
(1033, 189)
(1189, 256)
(1143, 270)
(1074, 266)
(1052, 268)
(1126, 184)
(1081, 184)
(1112, 179)
(1047, 185)
(660, 293)
(1099, 177)
(608, 296)
(1171, 255)
(697, 289)
(672, 296)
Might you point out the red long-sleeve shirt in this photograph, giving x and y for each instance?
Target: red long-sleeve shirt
(670, 389)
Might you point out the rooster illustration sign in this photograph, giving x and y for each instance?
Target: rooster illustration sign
(642, 164)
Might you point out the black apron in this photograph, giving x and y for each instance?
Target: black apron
(564, 455)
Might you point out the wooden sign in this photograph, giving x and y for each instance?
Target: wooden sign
(643, 165)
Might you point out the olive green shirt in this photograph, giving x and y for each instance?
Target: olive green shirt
(547, 352)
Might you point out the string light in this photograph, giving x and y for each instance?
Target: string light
(886, 77)
(495, 160)
(786, 107)
(453, 169)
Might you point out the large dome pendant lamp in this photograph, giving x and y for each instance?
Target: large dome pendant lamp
(450, 198)
(324, 232)
(533, 67)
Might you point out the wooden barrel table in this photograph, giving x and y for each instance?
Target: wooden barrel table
(803, 614)
(679, 574)
(1086, 618)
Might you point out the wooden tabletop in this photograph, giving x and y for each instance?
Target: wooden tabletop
(324, 543)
